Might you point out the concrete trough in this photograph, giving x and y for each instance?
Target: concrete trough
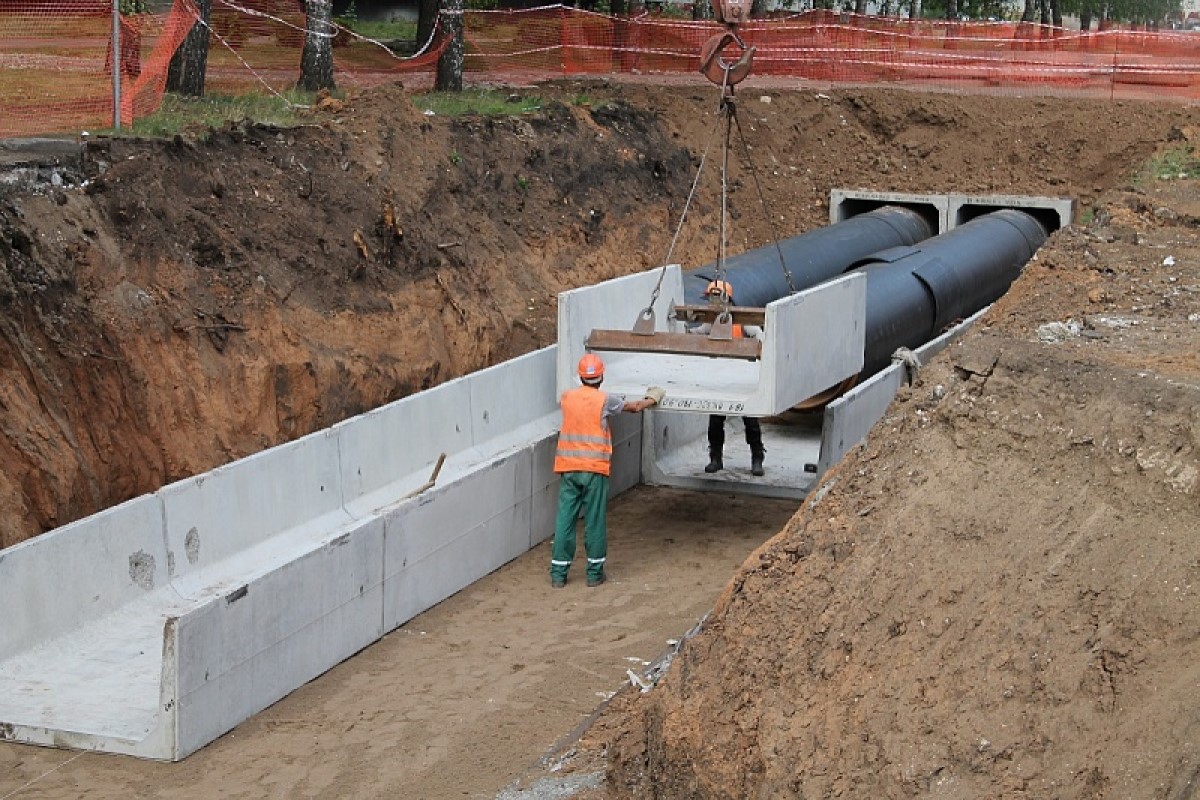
(811, 340)
(156, 626)
(947, 211)
(800, 446)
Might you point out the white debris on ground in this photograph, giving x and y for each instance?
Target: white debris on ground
(1058, 331)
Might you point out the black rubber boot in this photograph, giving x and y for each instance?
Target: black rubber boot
(756, 461)
(715, 464)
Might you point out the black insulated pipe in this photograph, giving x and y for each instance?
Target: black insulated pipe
(813, 257)
(914, 293)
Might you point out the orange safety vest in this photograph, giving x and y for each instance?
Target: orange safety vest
(584, 443)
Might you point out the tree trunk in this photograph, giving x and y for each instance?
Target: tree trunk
(1044, 5)
(952, 9)
(427, 17)
(619, 8)
(189, 65)
(1056, 13)
(316, 59)
(1027, 14)
(450, 64)
(1085, 19)
(914, 9)
(860, 6)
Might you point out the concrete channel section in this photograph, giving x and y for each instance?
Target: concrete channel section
(156, 626)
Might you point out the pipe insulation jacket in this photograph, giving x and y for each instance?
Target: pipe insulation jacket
(916, 285)
(757, 276)
(914, 293)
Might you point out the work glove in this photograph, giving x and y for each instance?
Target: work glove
(656, 394)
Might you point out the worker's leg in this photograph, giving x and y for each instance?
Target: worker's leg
(570, 497)
(595, 535)
(716, 442)
(754, 439)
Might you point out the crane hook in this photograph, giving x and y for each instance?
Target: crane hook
(720, 71)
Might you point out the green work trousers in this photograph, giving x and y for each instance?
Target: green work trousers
(587, 491)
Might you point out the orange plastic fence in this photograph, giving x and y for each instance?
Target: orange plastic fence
(55, 60)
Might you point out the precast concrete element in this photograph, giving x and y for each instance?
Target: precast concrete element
(948, 211)
(801, 447)
(811, 340)
(675, 450)
(155, 626)
(758, 276)
(845, 204)
(97, 587)
(1052, 213)
(848, 419)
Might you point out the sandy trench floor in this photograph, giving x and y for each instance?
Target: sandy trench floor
(467, 697)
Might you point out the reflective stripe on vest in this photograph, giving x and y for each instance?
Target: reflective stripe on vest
(584, 445)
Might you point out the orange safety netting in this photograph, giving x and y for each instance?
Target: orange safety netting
(55, 62)
(834, 48)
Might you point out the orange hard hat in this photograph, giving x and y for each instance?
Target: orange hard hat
(719, 287)
(591, 367)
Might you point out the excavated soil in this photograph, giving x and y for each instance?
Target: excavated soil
(993, 598)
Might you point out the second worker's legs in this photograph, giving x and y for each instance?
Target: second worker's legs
(754, 439)
(716, 443)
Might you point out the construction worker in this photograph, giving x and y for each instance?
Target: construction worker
(721, 293)
(582, 461)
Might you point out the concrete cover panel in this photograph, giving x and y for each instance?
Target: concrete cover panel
(391, 451)
(242, 652)
(611, 305)
(224, 512)
(81, 572)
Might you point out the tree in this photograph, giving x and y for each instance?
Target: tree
(450, 63)
(427, 17)
(189, 64)
(316, 59)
